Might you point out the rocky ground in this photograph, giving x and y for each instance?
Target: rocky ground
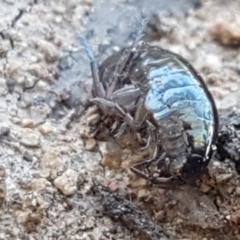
(49, 176)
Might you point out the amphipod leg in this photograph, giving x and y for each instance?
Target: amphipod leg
(149, 140)
(140, 33)
(152, 136)
(111, 107)
(124, 62)
(142, 170)
(98, 87)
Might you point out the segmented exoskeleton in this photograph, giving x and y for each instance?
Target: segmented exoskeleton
(148, 86)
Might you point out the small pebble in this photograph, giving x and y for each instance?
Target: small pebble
(51, 163)
(220, 178)
(41, 86)
(45, 129)
(205, 187)
(159, 216)
(27, 156)
(40, 184)
(2, 82)
(67, 182)
(235, 218)
(4, 131)
(90, 144)
(13, 68)
(237, 190)
(30, 139)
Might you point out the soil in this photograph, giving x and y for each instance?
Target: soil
(57, 181)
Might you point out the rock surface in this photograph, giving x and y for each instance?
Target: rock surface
(47, 175)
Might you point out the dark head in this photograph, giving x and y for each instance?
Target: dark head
(194, 168)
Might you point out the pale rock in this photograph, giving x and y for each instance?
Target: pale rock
(15, 231)
(18, 90)
(67, 182)
(93, 119)
(205, 187)
(37, 70)
(40, 201)
(58, 9)
(45, 173)
(21, 216)
(29, 82)
(90, 144)
(143, 193)
(220, 178)
(159, 216)
(16, 120)
(235, 218)
(49, 50)
(40, 184)
(237, 191)
(40, 113)
(41, 86)
(111, 154)
(28, 123)
(230, 189)
(13, 68)
(29, 138)
(88, 223)
(88, 2)
(45, 129)
(51, 164)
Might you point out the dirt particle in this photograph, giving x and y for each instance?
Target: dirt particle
(205, 187)
(21, 216)
(235, 218)
(40, 184)
(220, 178)
(160, 215)
(4, 131)
(111, 154)
(226, 33)
(49, 50)
(37, 70)
(3, 189)
(88, 2)
(143, 193)
(237, 190)
(87, 224)
(2, 82)
(51, 164)
(139, 183)
(111, 160)
(32, 221)
(16, 120)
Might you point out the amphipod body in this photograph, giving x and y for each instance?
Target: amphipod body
(158, 90)
(180, 107)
